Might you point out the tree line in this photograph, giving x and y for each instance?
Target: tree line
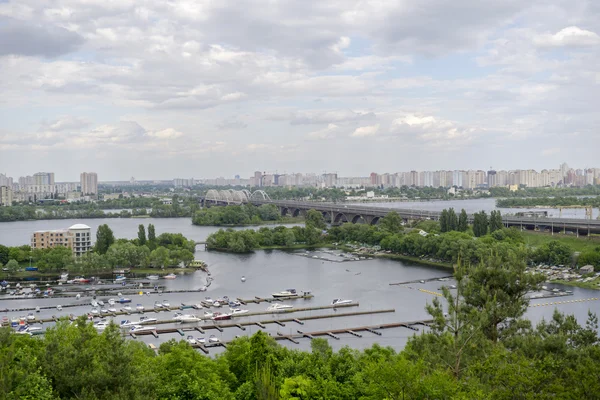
(147, 250)
(247, 214)
(548, 201)
(479, 346)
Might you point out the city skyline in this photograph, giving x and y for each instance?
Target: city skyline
(388, 86)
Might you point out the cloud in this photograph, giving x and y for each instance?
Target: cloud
(571, 36)
(232, 124)
(30, 39)
(326, 133)
(329, 116)
(366, 131)
(432, 131)
(65, 123)
(168, 133)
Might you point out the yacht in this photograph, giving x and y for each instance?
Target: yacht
(186, 318)
(141, 328)
(339, 302)
(170, 276)
(28, 330)
(152, 277)
(209, 301)
(208, 314)
(220, 317)
(213, 339)
(190, 339)
(147, 320)
(120, 279)
(201, 340)
(237, 311)
(277, 307)
(127, 323)
(285, 293)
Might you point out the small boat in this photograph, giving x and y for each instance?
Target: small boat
(339, 302)
(37, 309)
(80, 279)
(126, 308)
(78, 296)
(285, 293)
(64, 277)
(101, 303)
(95, 311)
(94, 303)
(190, 339)
(157, 304)
(216, 303)
(127, 323)
(213, 339)
(208, 314)
(102, 324)
(170, 276)
(220, 316)
(141, 328)
(153, 277)
(59, 307)
(243, 279)
(120, 279)
(147, 320)
(201, 340)
(209, 301)
(112, 309)
(186, 318)
(27, 330)
(103, 311)
(30, 317)
(234, 304)
(237, 311)
(166, 304)
(111, 302)
(198, 306)
(277, 307)
(139, 308)
(124, 300)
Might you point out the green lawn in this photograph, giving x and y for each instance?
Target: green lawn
(580, 244)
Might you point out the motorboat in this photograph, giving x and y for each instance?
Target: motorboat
(147, 320)
(220, 316)
(30, 317)
(157, 305)
(208, 314)
(237, 311)
(37, 309)
(64, 277)
(190, 339)
(112, 309)
(170, 276)
(216, 303)
(127, 323)
(243, 279)
(126, 308)
(141, 328)
(101, 303)
(80, 279)
(59, 307)
(95, 311)
(339, 302)
(277, 307)
(166, 304)
(94, 303)
(124, 300)
(139, 308)
(201, 340)
(234, 304)
(209, 301)
(103, 311)
(78, 296)
(120, 279)
(285, 293)
(198, 306)
(28, 330)
(152, 277)
(213, 339)
(186, 318)
(111, 302)
(102, 324)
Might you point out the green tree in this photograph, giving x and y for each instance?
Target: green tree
(151, 233)
(452, 220)
(12, 266)
(159, 257)
(314, 219)
(463, 221)
(480, 224)
(141, 235)
(444, 221)
(392, 222)
(104, 238)
(4, 254)
(496, 221)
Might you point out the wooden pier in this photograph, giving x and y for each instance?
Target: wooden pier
(258, 300)
(422, 280)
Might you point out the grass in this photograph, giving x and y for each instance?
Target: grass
(581, 244)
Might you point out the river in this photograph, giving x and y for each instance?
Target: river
(365, 281)
(476, 205)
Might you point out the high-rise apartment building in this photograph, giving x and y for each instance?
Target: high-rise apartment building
(89, 183)
(43, 178)
(6, 196)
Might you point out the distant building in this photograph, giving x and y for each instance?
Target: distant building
(6, 196)
(43, 178)
(77, 238)
(89, 183)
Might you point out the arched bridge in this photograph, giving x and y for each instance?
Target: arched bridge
(340, 213)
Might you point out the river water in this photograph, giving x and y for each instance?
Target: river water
(365, 281)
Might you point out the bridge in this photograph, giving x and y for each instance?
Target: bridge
(339, 213)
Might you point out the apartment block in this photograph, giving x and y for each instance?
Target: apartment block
(77, 238)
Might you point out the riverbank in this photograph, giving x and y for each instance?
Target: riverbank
(580, 244)
(136, 271)
(594, 285)
(282, 221)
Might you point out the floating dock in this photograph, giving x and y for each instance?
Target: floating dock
(423, 280)
(258, 300)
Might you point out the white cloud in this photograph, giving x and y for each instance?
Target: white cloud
(326, 133)
(369, 130)
(571, 36)
(168, 133)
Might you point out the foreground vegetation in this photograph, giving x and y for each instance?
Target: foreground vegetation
(147, 250)
(246, 214)
(479, 347)
(548, 202)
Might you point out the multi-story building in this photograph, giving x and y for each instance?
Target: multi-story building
(43, 178)
(77, 238)
(6, 196)
(89, 183)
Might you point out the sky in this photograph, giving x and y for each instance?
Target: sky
(158, 89)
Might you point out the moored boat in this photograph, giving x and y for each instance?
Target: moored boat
(220, 316)
(186, 318)
(170, 276)
(213, 339)
(277, 307)
(141, 328)
(139, 308)
(152, 277)
(124, 300)
(285, 293)
(238, 311)
(190, 339)
(339, 302)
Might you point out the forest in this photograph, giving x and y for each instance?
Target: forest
(247, 214)
(479, 346)
(548, 201)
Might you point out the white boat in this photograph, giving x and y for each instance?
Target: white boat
(30, 317)
(37, 309)
(64, 277)
(213, 339)
(208, 314)
(339, 302)
(147, 320)
(126, 308)
(170, 276)
(186, 318)
(127, 323)
(190, 339)
(237, 311)
(166, 304)
(139, 308)
(152, 277)
(78, 296)
(101, 303)
(102, 324)
(141, 328)
(94, 303)
(243, 279)
(104, 311)
(111, 302)
(27, 330)
(198, 306)
(59, 307)
(220, 316)
(209, 301)
(112, 309)
(201, 340)
(120, 279)
(95, 311)
(285, 293)
(234, 304)
(277, 307)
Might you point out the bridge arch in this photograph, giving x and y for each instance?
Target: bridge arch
(296, 212)
(340, 219)
(260, 195)
(284, 211)
(358, 219)
(375, 220)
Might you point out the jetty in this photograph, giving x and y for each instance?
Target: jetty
(439, 278)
